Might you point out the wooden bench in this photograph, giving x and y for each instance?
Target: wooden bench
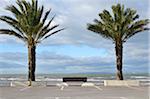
(74, 79)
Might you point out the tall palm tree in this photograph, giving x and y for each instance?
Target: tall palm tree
(29, 25)
(118, 27)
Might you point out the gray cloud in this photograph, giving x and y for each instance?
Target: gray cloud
(52, 62)
(75, 14)
(9, 65)
(16, 56)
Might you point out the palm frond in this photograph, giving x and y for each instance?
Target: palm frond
(13, 10)
(13, 33)
(12, 22)
(136, 27)
(49, 23)
(46, 15)
(42, 33)
(100, 29)
(52, 33)
(39, 13)
(106, 17)
(21, 6)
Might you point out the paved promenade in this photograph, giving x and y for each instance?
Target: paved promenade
(74, 92)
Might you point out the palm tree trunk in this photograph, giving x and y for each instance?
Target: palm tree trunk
(119, 55)
(31, 62)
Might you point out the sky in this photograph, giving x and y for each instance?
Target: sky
(76, 50)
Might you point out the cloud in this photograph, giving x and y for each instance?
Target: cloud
(6, 65)
(75, 14)
(50, 62)
(78, 13)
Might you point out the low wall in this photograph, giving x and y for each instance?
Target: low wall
(26, 83)
(121, 83)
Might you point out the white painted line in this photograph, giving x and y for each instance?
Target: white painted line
(23, 89)
(113, 97)
(98, 88)
(62, 85)
(87, 85)
(134, 88)
(56, 97)
(91, 85)
(123, 98)
(62, 88)
(116, 97)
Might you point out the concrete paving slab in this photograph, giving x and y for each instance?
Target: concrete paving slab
(73, 92)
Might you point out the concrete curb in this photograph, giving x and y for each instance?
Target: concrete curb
(121, 83)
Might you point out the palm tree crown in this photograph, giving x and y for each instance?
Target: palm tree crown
(121, 25)
(28, 22)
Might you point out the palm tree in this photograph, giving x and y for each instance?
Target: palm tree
(29, 25)
(118, 27)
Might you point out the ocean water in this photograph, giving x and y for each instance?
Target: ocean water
(58, 77)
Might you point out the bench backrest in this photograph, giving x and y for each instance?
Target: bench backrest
(75, 79)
